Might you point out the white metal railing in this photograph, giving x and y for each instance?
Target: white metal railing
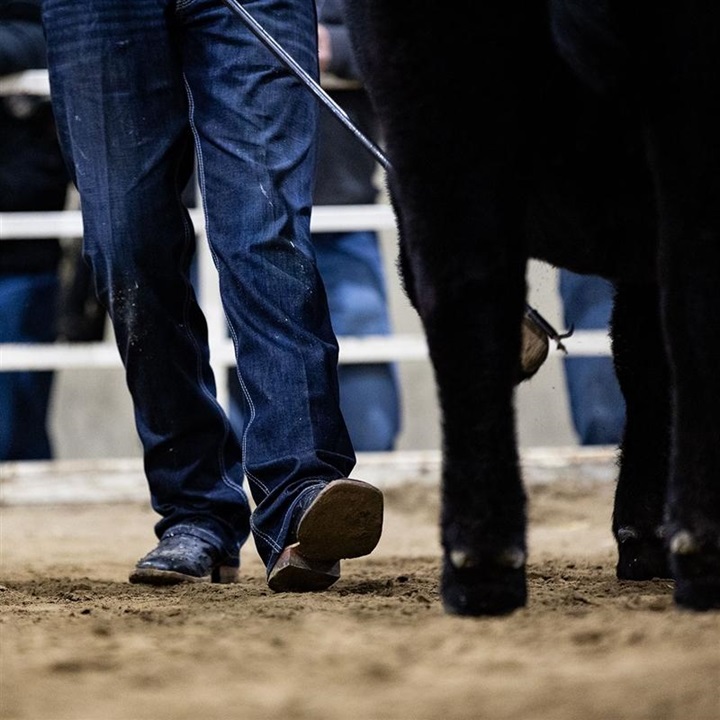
(30, 82)
(396, 347)
(27, 225)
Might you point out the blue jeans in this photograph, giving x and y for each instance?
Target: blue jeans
(27, 315)
(351, 267)
(135, 84)
(597, 405)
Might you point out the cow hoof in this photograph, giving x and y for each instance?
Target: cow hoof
(483, 589)
(642, 559)
(696, 571)
(698, 593)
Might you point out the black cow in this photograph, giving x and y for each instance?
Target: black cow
(585, 133)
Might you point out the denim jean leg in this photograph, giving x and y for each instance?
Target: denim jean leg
(351, 266)
(123, 119)
(255, 168)
(27, 315)
(596, 402)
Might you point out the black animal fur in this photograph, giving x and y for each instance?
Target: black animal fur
(587, 134)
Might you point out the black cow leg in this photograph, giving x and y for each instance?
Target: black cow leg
(483, 502)
(459, 182)
(642, 370)
(483, 562)
(685, 154)
(697, 575)
(471, 315)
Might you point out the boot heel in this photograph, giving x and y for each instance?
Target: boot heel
(224, 574)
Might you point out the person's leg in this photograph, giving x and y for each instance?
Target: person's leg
(596, 403)
(28, 316)
(122, 113)
(255, 129)
(351, 268)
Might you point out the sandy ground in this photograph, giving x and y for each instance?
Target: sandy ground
(78, 642)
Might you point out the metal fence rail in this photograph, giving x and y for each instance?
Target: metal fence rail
(397, 347)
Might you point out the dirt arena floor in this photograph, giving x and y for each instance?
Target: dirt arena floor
(77, 642)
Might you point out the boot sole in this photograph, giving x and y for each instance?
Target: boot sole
(344, 521)
(153, 576)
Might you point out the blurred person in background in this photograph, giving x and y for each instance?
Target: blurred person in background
(33, 177)
(350, 263)
(597, 406)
